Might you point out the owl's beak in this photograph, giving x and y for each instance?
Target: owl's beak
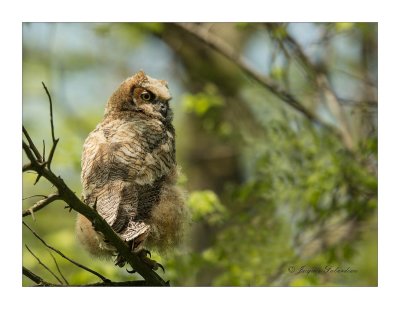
(164, 108)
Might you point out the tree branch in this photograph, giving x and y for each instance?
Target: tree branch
(44, 265)
(104, 279)
(58, 268)
(320, 79)
(41, 204)
(66, 194)
(41, 282)
(228, 52)
(32, 145)
(35, 278)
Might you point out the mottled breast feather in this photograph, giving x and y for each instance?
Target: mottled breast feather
(124, 161)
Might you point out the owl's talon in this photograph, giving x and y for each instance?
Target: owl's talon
(68, 207)
(162, 267)
(131, 271)
(146, 252)
(149, 262)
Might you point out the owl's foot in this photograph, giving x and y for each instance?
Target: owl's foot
(151, 263)
(119, 261)
(143, 255)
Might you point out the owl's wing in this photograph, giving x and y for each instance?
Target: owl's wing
(122, 168)
(117, 202)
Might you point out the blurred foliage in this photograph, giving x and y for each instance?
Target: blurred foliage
(268, 189)
(205, 205)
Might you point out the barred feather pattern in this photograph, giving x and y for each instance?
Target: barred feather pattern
(123, 165)
(128, 161)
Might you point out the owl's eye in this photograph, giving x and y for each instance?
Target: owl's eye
(147, 96)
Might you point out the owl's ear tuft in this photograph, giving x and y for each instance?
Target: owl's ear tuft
(164, 83)
(141, 75)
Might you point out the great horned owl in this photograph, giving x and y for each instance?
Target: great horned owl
(129, 170)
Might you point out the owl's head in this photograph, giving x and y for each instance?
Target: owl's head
(141, 94)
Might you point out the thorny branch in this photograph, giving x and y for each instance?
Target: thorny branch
(41, 166)
(41, 282)
(35, 278)
(55, 140)
(39, 205)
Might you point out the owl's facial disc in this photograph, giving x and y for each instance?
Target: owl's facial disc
(150, 103)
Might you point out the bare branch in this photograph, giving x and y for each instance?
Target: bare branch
(68, 196)
(41, 282)
(44, 265)
(44, 150)
(337, 110)
(51, 111)
(228, 52)
(55, 140)
(30, 155)
(32, 145)
(42, 203)
(35, 278)
(58, 268)
(320, 79)
(26, 167)
(104, 279)
(35, 195)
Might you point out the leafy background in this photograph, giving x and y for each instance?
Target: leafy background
(267, 188)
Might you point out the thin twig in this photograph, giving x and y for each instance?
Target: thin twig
(26, 167)
(68, 196)
(44, 149)
(55, 140)
(228, 52)
(104, 279)
(42, 203)
(44, 265)
(32, 145)
(51, 111)
(319, 78)
(35, 195)
(35, 278)
(58, 268)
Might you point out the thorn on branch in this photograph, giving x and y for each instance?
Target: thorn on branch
(40, 204)
(44, 150)
(52, 150)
